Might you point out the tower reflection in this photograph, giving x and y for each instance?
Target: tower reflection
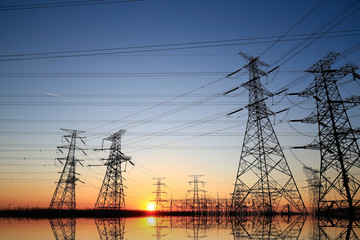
(267, 227)
(159, 225)
(111, 228)
(196, 227)
(63, 228)
(337, 229)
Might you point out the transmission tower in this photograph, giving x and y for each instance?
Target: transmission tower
(64, 195)
(196, 201)
(158, 199)
(313, 179)
(264, 179)
(111, 195)
(337, 140)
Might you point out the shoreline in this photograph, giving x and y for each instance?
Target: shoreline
(45, 213)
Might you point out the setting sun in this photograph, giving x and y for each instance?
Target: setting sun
(151, 207)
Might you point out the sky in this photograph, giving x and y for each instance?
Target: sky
(157, 69)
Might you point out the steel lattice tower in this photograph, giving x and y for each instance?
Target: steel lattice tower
(313, 179)
(264, 178)
(196, 202)
(64, 195)
(111, 195)
(158, 199)
(337, 140)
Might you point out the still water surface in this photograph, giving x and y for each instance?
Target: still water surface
(295, 227)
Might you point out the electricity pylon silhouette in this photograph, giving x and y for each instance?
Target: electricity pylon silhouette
(337, 140)
(64, 195)
(196, 202)
(158, 199)
(313, 179)
(264, 179)
(111, 195)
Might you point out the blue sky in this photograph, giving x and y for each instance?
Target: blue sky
(118, 89)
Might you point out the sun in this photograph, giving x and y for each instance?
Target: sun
(151, 207)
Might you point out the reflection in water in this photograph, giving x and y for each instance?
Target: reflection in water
(267, 227)
(327, 228)
(159, 225)
(111, 228)
(63, 228)
(199, 227)
(241, 228)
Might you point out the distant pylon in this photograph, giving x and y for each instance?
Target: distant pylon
(158, 199)
(339, 187)
(264, 180)
(196, 201)
(64, 195)
(313, 179)
(111, 195)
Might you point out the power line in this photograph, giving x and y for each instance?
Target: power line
(117, 75)
(141, 134)
(301, 46)
(169, 47)
(293, 26)
(35, 158)
(24, 179)
(60, 4)
(163, 114)
(111, 74)
(171, 44)
(79, 95)
(48, 103)
(25, 173)
(139, 147)
(209, 54)
(348, 51)
(105, 104)
(55, 121)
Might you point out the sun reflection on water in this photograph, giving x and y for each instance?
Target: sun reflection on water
(151, 221)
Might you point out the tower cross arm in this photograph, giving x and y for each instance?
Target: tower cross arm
(342, 71)
(352, 101)
(312, 119)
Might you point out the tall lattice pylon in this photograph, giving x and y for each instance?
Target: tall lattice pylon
(264, 180)
(111, 195)
(64, 195)
(196, 201)
(159, 201)
(337, 140)
(313, 179)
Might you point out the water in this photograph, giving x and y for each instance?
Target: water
(295, 227)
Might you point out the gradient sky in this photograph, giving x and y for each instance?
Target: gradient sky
(161, 79)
